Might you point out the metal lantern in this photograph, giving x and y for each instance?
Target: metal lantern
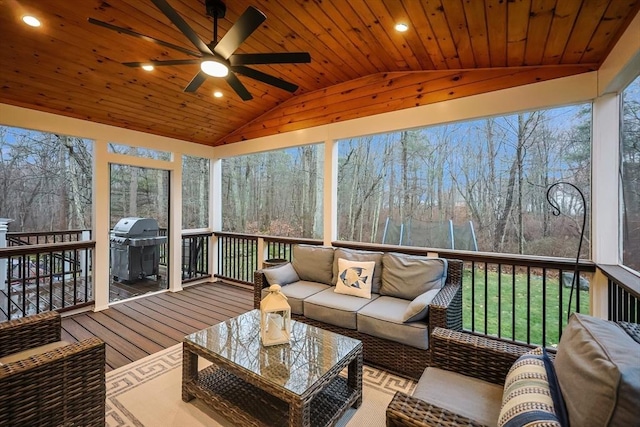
(275, 318)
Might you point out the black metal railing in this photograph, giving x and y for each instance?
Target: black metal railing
(44, 237)
(195, 256)
(281, 247)
(43, 277)
(239, 257)
(623, 293)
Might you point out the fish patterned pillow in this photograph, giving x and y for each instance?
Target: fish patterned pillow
(355, 277)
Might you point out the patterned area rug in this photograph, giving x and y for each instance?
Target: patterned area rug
(148, 393)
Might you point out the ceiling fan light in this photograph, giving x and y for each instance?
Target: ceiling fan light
(147, 67)
(217, 94)
(401, 27)
(31, 21)
(214, 68)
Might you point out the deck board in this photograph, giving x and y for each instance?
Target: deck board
(137, 328)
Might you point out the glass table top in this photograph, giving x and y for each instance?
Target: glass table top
(295, 366)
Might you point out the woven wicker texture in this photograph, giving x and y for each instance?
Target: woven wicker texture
(445, 311)
(405, 410)
(62, 387)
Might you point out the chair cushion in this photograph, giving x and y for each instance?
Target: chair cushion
(296, 293)
(598, 368)
(383, 318)
(466, 396)
(354, 278)
(335, 309)
(355, 255)
(313, 263)
(526, 399)
(25, 354)
(419, 307)
(407, 276)
(281, 275)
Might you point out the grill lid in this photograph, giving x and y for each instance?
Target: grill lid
(136, 227)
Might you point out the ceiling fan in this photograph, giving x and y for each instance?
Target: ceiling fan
(217, 59)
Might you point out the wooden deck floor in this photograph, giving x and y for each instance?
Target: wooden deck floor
(135, 329)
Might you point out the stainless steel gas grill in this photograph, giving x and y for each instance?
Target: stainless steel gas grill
(135, 249)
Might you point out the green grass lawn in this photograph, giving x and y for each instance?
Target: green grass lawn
(499, 299)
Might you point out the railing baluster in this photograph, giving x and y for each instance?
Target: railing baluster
(486, 297)
(499, 300)
(528, 304)
(513, 302)
(473, 296)
(544, 307)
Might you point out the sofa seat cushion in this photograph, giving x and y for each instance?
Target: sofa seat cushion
(383, 318)
(335, 309)
(297, 292)
(598, 368)
(34, 351)
(460, 394)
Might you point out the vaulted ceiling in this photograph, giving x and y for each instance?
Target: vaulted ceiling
(360, 65)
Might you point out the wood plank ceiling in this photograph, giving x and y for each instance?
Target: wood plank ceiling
(360, 65)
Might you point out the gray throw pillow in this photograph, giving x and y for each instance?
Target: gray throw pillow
(419, 307)
(355, 255)
(313, 263)
(407, 276)
(281, 275)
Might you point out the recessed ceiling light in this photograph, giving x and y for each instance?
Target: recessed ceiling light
(32, 21)
(217, 94)
(147, 67)
(401, 27)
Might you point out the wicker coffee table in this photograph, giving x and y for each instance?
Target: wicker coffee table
(296, 384)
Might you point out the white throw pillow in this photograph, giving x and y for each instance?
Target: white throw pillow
(355, 277)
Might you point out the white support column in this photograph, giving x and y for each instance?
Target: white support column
(101, 183)
(4, 226)
(215, 211)
(330, 181)
(175, 226)
(604, 194)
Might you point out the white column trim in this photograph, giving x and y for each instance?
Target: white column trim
(215, 211)
(330, 192)
(604, 180)
(100, 229)
(175, 224)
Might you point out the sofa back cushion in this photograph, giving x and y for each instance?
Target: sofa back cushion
(598, 368)
(407, 276)
(313, 263)
(355, 255)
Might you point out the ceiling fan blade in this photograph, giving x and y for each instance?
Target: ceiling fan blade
(238, 87)
(265, 78)
(196, 82)
(248, 22)
(143, 37)
(163, 63)
(270, 58)
(182, 25)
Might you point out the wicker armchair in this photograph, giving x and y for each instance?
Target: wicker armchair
(471, 355)
(64, 386)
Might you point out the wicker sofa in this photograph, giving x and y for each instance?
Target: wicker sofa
(593, 380)
(47, 382)
(397, 345)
